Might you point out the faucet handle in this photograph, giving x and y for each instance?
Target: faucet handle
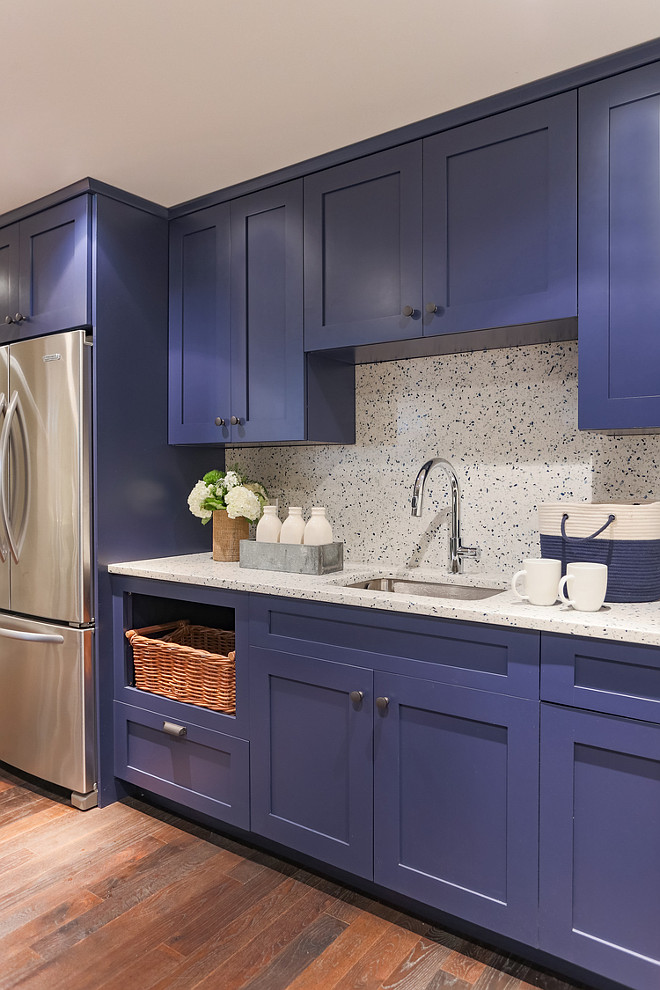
(473, 552)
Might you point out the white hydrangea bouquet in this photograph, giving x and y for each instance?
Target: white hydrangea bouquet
(229, 490)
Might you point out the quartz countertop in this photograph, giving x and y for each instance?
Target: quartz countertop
(632, 623)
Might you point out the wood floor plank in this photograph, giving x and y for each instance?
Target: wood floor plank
(387, 955)
(333, 964)
(47, 887)
(16, 828)
(414, 971)
(309, 944)
(466, 969)
(117, 944)
(254, 956)
(41, 922)
(215, 917)
(232, 938)
(146, 875)
(447, 981)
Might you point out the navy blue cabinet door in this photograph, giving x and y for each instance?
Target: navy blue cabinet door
(500, 204)
(8, 277)
(363, 250)
(311, 757)
(54, 289)
(267, 358)
(199, 344)
(619, 343)
(600, 855)
(456, 801)
(45, 271)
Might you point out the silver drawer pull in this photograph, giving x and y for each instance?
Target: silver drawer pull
(173, 729)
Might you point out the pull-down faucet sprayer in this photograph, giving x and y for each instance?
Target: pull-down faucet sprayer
(456, 550)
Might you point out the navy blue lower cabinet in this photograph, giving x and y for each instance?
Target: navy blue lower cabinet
(600, 854)
(197, 767)
(311, 757)
(456, 801)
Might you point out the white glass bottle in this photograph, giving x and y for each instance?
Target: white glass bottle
(269, 526)
(293, 526)
(318, 530)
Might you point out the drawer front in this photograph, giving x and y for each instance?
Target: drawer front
(201, 769)
(476, 655)
(615, 678)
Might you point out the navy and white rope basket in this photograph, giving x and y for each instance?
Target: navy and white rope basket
(625, 537)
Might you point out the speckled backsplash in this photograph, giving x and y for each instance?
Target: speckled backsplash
(507, 421)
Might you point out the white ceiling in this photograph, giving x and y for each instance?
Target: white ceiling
(172, 99)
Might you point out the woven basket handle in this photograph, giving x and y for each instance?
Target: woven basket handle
(163, 627)
(610, 520)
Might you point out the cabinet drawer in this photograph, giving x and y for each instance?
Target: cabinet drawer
(201, 769)
(470, 654)
(616, 678)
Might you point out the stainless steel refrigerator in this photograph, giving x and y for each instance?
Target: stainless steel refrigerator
(46, 562)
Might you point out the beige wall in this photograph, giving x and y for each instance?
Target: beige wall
(175, 98)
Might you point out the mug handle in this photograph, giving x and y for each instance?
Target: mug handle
(560, 590)
(514, 581)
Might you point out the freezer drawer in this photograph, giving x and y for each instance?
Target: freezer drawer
(47, 701)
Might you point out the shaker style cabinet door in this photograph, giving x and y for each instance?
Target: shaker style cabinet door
(363, 250)
(8, 280)
(599, 854)
(456, 801)
(311, 757)
(45, 271)
(500, 219)
(267, 358)
(619, 342)
(54, 289)
(199, 341)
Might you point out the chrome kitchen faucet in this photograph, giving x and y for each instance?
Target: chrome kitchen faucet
(456, 550)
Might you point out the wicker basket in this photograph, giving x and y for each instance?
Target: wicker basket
(189, 663)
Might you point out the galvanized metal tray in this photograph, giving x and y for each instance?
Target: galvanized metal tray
(293, 557)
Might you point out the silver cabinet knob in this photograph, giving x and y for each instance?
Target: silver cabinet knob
(431, 307)
(8, 320)
(173, 729)
(356, 697)
(19, 318)
(408, 310)
(235, 421)
(382, 704)
(219, 421)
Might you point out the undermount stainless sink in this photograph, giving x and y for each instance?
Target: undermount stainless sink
(433, 589)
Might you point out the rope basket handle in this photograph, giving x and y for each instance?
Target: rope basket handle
(162, 627)
(581, 539)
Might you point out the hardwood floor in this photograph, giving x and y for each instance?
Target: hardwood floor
(133, 898)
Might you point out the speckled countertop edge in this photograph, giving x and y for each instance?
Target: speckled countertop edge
(632, 623)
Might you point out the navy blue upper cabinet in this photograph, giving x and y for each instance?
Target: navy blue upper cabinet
(238, 372)
(363, 250)
(486, 239)
(8, 274)
(619, 343)
(500, 205)
(45, 272)
(600, 856)
(268, 362)
(199, 344)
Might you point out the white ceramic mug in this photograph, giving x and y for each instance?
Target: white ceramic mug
(586, 583)
(541, 579)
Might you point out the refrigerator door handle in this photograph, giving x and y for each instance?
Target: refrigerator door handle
(15, 409)
(4, 549)
(31, 637)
